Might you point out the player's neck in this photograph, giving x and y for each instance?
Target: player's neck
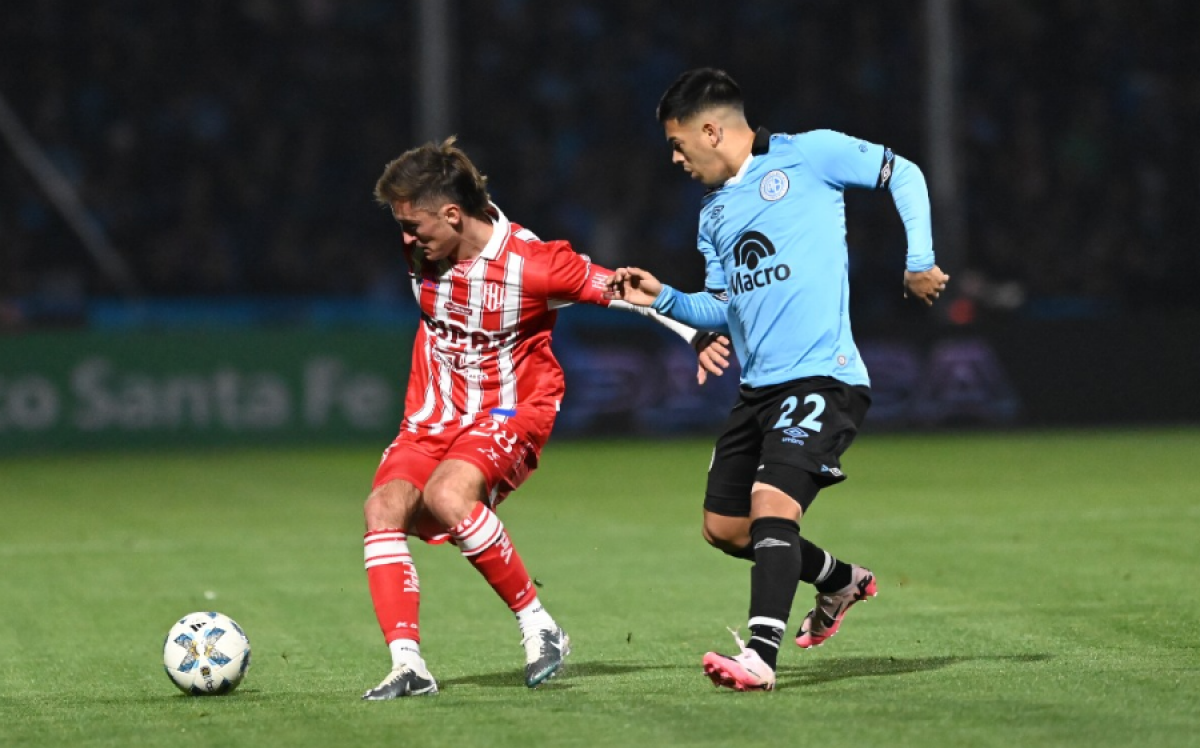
(476, 233)
(739, 143)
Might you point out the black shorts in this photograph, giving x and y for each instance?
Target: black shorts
(790, 436)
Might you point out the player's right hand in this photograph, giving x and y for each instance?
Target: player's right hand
(926, 285)
(633, 285)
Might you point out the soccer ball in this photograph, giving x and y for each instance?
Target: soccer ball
(206, 654)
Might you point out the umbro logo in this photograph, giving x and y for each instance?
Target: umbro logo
(772, 543)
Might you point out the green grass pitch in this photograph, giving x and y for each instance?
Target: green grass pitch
(1035, 589)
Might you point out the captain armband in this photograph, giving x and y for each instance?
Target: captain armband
(886, 168)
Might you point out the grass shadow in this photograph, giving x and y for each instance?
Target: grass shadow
(811, 674)
(827, 671)
(512, 678)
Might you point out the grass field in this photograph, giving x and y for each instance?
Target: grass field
(1035, 589)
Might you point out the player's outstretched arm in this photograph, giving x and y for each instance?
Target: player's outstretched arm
(633, 285)
(926, 285)
(712, 349)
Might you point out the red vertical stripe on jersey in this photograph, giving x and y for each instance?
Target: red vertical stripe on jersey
(485, 330)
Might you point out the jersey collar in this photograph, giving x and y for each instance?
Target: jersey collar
(500, 229)
(762, 143)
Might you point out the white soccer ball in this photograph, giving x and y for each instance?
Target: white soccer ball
(206, 654)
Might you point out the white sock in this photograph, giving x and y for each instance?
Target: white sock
(403, 651)
(533, 617)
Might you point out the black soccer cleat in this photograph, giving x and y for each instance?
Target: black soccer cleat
(410, 679)
(545, 651)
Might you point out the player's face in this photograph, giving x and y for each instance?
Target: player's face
(693, 149)
(431, 230)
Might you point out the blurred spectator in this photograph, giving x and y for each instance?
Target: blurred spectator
(229, 147)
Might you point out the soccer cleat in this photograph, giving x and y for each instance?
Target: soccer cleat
(410, 679)
(825, 618)
(741, 672)
(545, 650)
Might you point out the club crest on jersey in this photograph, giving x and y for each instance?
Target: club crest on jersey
(445, 358)
(773, 186)
(493, 296)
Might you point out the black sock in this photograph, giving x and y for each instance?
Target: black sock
(746, 553)
(838, 579)
(818, 567)
(821, 569)
(765, 639)
(773, 580)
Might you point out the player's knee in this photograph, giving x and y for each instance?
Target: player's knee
(389, 505)
(375, 506)
(447, 502)
(725, 536)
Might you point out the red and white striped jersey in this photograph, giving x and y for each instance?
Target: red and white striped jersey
(483, 346)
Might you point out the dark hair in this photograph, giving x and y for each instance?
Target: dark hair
(432, 173)
(698, 90)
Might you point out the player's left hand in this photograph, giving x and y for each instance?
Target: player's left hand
(926, 285)
(712, 351)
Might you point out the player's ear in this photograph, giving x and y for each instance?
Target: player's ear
(452, 214)
(712, 133)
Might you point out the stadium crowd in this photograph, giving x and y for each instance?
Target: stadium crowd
(229, 147)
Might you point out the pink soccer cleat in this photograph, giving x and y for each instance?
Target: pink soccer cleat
(824, 619)
(741, 672)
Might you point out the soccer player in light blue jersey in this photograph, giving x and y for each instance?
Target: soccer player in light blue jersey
(773, 236)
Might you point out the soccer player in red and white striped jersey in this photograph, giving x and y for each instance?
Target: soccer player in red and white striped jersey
(483, 392)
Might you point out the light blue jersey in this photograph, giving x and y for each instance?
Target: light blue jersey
(774, 244)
